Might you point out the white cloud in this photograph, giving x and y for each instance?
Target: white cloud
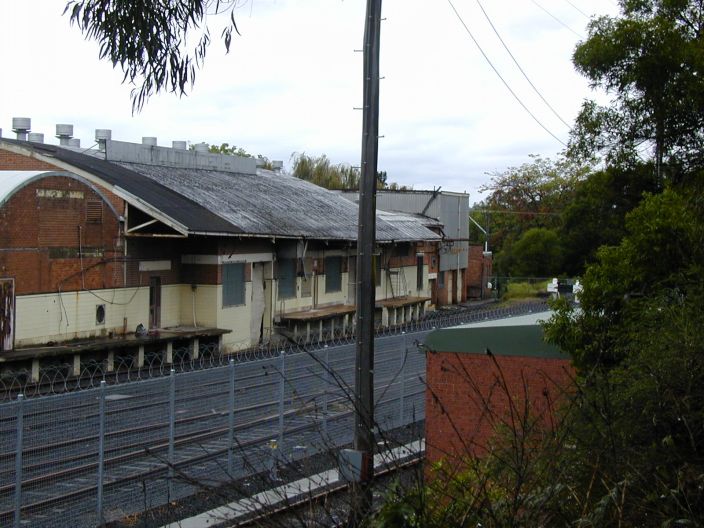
(292, 79)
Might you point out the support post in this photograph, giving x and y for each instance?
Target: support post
(169, 352)
(282, 393)
(402, 376)
(195, 350)
(35, 370)
(101, 452)
(364, 356)
(76, 368)
(172, 427)
(231, 422)
(140, 356)
(18, 460)
(326, 389)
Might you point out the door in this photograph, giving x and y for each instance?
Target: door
(154, 302)
(256, 324)
(7, 314)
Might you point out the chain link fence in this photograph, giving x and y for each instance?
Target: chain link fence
(105, 453)
(57, 379)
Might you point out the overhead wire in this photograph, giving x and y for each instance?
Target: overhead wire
(557, 19)
(508, 87)
(578, 9)
(525, 75)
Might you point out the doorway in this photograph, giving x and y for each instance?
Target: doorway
(154, 302)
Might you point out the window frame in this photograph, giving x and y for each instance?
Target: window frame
(231, 297)
(333, 284)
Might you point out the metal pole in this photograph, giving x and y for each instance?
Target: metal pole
(101, 451)
(326, 389)
(364, 357)
(402, 374)
(282, 389)
(231, 424)
(172, 427)
(18, 460)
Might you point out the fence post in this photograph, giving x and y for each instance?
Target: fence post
(231, 422)
(403, 377)
(326, 388)
(101, 450)
(18, 460)
(172, 424)
(282, 392)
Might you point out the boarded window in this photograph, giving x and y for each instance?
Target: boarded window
(333, 274)
(94, 212)
(419, 272)
(233, 285)
(287, 278)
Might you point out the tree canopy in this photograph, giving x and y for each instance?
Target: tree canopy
(651, 61)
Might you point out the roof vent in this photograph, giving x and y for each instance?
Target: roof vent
(64, 133)
(36, 137)
(149, 140)
(101, 136)
(201, 147)
(21, 126)
(74, 142)
(179, 145)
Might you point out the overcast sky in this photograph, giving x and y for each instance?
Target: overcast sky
(292, 79)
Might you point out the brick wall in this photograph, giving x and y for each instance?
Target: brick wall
(478, 272)
(11, 161)
(466, 400)
(53, 228)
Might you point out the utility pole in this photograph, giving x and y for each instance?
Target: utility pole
(364, 359)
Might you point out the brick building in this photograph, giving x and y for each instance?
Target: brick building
(469, 389)
(192, 246)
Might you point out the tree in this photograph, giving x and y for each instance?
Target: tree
(321, 171)
(596, 215)
(537, 253)
(650, 60)
(149, 40)
(532, 195)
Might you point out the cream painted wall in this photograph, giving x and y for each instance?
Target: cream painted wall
(53, 317)
(237, 319)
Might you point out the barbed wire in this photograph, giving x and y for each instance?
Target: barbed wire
(57, 379)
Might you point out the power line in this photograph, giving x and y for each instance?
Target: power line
(501, 77)
(519, 66)
(578, 9)
(557, 19)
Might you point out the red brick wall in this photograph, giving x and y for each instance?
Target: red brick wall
(11, 161)
(41, 237)
(477, 273)
(466, 399)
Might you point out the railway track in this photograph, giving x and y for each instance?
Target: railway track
(150, 437)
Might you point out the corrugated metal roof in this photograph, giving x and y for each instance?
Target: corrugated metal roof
(11, 180)
(219, 202)
(275, 204)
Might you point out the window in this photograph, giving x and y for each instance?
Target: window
(233, 285)
(333, 274)
(94, 212)
(441, 279)
(419, 272)
(287, 278)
